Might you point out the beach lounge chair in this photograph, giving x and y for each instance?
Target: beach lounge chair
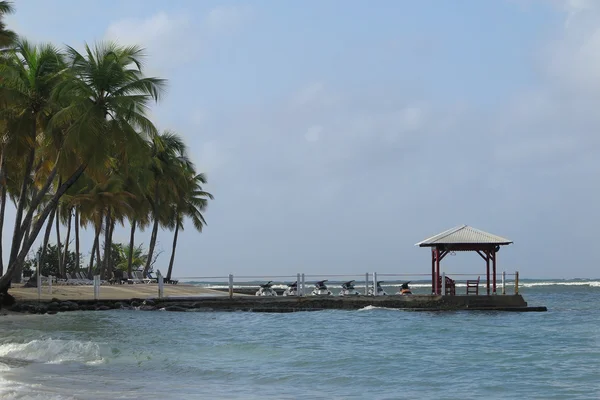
(139, 275)
(71, 280)
(135, 278)
(84, 279)
(151, 279)
(124, 278)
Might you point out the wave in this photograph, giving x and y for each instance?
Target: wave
(52, 351)
(559, 283)
(369, 308)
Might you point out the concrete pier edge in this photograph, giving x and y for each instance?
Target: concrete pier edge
(513, 303)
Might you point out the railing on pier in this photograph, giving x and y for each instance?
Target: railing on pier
(366, 284)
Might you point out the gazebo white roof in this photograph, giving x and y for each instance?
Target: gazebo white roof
(463, 234)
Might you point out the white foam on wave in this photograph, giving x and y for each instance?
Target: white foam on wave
(556, 283)
(370, 308)
(53, 351)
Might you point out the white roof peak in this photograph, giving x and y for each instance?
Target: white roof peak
(463, 234)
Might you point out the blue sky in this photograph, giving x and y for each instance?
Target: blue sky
(336, 134)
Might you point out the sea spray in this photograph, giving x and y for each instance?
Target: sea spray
(53, 351)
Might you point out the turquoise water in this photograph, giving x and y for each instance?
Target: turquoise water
(373, 353)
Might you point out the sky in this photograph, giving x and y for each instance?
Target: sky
(337, 134)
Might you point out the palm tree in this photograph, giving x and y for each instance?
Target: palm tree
(103, 101)
(28, 76)
(168, 162)
(192, 201)
(7, 37)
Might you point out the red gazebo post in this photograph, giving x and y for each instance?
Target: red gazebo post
(487, 268)
(432, 270)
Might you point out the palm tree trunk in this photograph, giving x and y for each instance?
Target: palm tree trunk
(77, 259)
(2, 210)
(38, 196)
(105, 269)
(27, 232)
(151, 246)
(32, 282)
(131, 244)
(47, 236)
(5, 279)
(110, 259)
(173, 251)
(58, 243)
(98, 229)
(17, 231)
(2, 206)
(66, 252)
(18, 271)
(91, 265)
(154, 231)
(98, 258)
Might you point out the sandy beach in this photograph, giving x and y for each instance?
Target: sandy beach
(111, 292)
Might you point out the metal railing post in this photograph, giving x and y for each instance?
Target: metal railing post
(516, 282)
(298, 285)
(302, 289)
(374, 283)
(161, 286)
(443, 283)
(366, 284)
(503, 282)
(231, 286)
(50, 284)
(96, 287)
(39, 279)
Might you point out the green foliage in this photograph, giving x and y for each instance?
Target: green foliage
(120, 254)
(49, 265)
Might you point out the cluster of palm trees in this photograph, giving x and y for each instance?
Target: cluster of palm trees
(77, 148)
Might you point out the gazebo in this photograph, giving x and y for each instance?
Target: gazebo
(463, 238)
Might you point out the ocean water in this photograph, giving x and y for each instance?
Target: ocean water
(371, 353)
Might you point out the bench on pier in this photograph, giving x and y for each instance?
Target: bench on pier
(473, 286)
(450, 286)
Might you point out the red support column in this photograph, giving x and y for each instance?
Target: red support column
(432, 270)
(487, 265)
(494, 272)
(437, 271)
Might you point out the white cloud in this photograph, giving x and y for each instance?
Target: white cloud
(172, 39)
(574, 60)
(162, 34)
(411, 118)
(313, 95)
(313, 133)
(160, 26)
(199, 117)
(210, 157)
(226, 19)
